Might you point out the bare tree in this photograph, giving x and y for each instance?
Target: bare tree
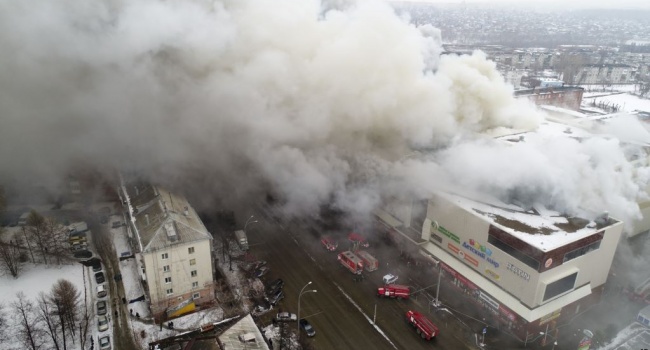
(46, 316)
(3, 325)
(55, 235)
(29, 330)
(29, 246)
(65, 297)
(10, 258)
(36, 228)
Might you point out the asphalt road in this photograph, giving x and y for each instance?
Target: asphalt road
(122, 335)
(342, 310)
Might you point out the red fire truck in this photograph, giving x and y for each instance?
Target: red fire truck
(356, 238)
(369, 261)
(351, 262)
(394, 291)
(423, 326)
(329, 243)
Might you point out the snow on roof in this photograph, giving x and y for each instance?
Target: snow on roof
(539, 227)
(234, 337)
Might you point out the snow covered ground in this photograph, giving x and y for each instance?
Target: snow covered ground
(33, 280)
(625, 102)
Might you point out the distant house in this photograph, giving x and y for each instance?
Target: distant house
(173, 247)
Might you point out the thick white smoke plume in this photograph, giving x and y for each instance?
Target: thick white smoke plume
(316, 102)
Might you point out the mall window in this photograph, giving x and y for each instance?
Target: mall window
(581, 251)
(168, 280)
(196, 295)
(170, 291)
(195, 284)
(193, 273)
(166, 268)
(192, 262)
(164, 256)
(190, 250)
(514, 252)
(560, 286)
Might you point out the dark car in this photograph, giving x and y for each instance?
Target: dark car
(277, 284)
(99, 277)
(82, 254)
(101, 307)
(262, 271)
(306, 326)
(97, 267)
(261, 309)
(274, 291)
(273, 299)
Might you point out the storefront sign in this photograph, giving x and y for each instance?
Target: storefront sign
(507, 313)
(517, 271)
(448, 234)
(459, 277)
(492, 274)
(462, 254)
(491, 302)
(550, 317)
(480, 251)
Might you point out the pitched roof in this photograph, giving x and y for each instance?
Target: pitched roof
(163, 219)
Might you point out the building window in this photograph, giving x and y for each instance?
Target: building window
(166, 268)
(165, 256)
(196, 295)
(560, 286)
(168, 280)
(192, 262)
(170, 291)
(581, 251)
(195, 284)
(193, 273)
(190, 250)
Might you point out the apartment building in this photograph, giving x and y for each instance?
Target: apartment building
(605, 74)
(561, 96)
(173, 247)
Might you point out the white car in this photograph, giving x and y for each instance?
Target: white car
(102, 323)
(390, 279)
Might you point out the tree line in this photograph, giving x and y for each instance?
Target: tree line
(55, 320)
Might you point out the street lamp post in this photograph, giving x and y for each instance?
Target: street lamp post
(249, 222)
(303, 291)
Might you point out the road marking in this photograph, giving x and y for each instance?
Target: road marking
(379, 330)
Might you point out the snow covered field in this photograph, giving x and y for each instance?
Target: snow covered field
(625, 102)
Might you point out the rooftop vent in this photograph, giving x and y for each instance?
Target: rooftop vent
(602, 219)
(171, 231)
(247, 337)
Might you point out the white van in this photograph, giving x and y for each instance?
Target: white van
(101, 291)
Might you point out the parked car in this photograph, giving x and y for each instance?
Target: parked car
(275, 298)
(101, 291)
(99, 277)
(97, 267)
(102, 323)
(262, 271)
(306, 326)
(274, 291)
(285, 317)
(261, 309)
(105, 343)
(390, 278)
(82, 254)
(101, 308)
(279, 283)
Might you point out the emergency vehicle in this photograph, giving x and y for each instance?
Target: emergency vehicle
(369, 261)
(356, 238)
(351, 262)
(394, 291)
(329, 243)
(423, 326)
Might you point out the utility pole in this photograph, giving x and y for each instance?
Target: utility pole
(374, 318)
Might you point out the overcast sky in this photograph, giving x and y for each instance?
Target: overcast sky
(556, 3)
